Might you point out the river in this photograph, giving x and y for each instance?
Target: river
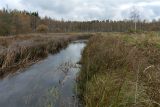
(48, 83)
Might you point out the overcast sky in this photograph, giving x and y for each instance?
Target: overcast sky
(87, 9)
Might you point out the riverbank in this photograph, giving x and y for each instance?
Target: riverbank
(121, 70)
(23, 50)
(47, 83)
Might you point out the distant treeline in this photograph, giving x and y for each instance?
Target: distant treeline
(16, 22)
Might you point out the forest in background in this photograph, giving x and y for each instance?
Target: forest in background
(14, 22)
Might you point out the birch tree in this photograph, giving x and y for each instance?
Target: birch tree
(135, 17)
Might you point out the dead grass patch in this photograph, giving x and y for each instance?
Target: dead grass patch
(121, 71)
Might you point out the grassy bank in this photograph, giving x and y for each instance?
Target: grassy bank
(121, 70)
(22, 50)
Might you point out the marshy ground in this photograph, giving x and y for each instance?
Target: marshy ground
(48, 83)
(22, 50)
(121, 70)
(118, 69)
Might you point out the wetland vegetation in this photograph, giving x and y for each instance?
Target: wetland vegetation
(121, 70)
(100, 59)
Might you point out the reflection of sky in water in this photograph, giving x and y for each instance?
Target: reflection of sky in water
(30, 87)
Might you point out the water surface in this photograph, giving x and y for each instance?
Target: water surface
(49, 83)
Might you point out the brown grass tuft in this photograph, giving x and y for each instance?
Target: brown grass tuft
(121, 71)
(22, 50)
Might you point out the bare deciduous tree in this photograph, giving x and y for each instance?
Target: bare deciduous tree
(135, 17)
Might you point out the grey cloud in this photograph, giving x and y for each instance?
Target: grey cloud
(88, 9)
(58, 6)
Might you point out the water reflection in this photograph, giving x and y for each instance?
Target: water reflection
(46, 84)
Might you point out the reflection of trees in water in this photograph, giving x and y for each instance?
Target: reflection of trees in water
(66, 66)
(53, 96)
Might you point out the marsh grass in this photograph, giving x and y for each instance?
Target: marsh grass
(121, 70)
(28, 51)
(22, 50)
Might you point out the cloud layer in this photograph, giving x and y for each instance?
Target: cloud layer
(87, 9)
